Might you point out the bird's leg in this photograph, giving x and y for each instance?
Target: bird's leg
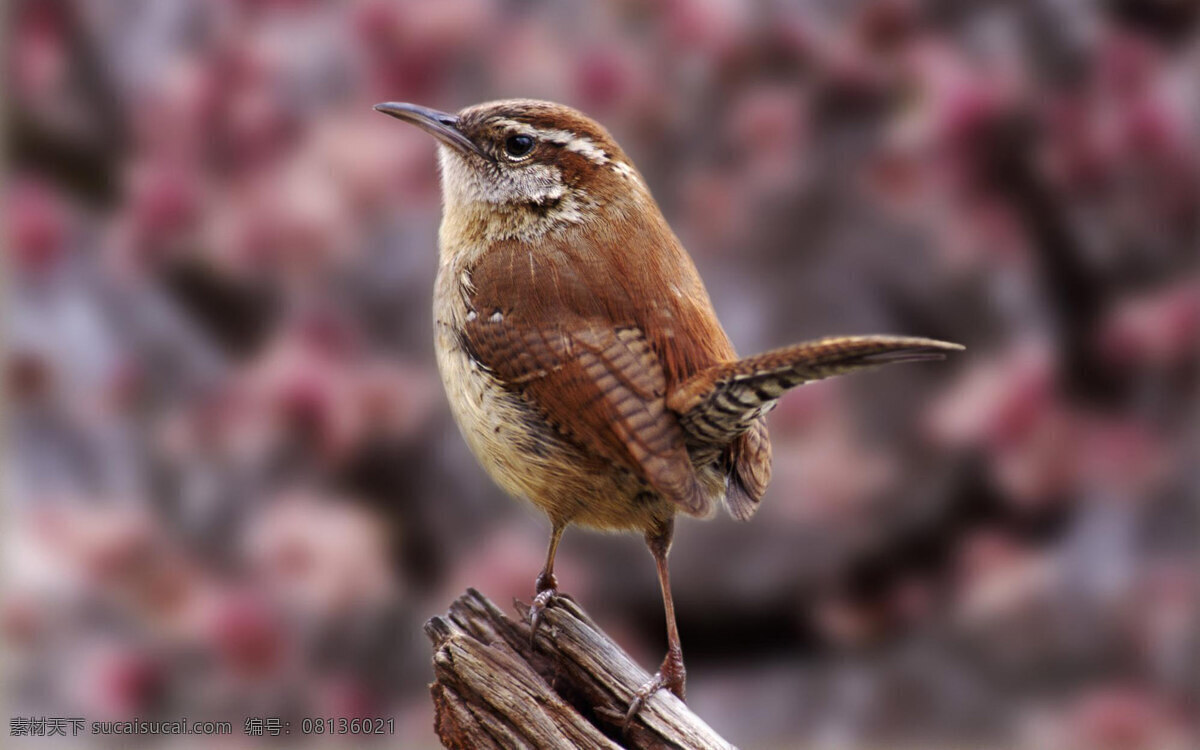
(547, 584)
(671, 674)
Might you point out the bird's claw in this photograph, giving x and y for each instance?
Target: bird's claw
(671, 675)
(541, 602)
(640, 697)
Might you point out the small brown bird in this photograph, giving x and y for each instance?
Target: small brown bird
(580, 352)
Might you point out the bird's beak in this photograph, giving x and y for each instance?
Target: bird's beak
(440, 125)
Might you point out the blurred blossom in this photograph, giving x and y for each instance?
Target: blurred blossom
(233, 487)
(325, 558)
(119, 682)
(998, 579)
(35, 220)
(769, 126)
(1118, 718)
(248, 637)
(996, 401)
(834, 472)
(1158, 329)
(503, 567)
(707, 27)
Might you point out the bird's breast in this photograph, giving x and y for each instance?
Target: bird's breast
(502, 431)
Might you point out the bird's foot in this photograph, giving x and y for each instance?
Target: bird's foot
(671, 675)
(547, 592)
(543, 601)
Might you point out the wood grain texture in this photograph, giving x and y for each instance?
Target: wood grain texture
(494, 689)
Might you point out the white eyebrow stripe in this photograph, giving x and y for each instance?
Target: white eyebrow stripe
(626, 171)
(588, 148)
(580, 144)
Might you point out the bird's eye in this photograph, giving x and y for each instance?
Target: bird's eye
(518, 145)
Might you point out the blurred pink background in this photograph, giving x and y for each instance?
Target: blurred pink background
(232, 486)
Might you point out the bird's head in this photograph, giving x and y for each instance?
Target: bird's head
(524, 167)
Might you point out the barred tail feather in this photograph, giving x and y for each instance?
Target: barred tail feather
(718, 404)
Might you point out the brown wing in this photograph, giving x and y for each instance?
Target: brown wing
(540, 327)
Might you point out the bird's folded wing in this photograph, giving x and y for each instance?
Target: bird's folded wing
(720, 403)
(601, 386)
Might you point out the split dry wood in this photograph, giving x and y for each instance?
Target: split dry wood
(494, 689)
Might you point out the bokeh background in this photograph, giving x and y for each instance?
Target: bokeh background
(232, 485)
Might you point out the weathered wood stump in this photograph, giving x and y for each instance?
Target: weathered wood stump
(493, 688)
